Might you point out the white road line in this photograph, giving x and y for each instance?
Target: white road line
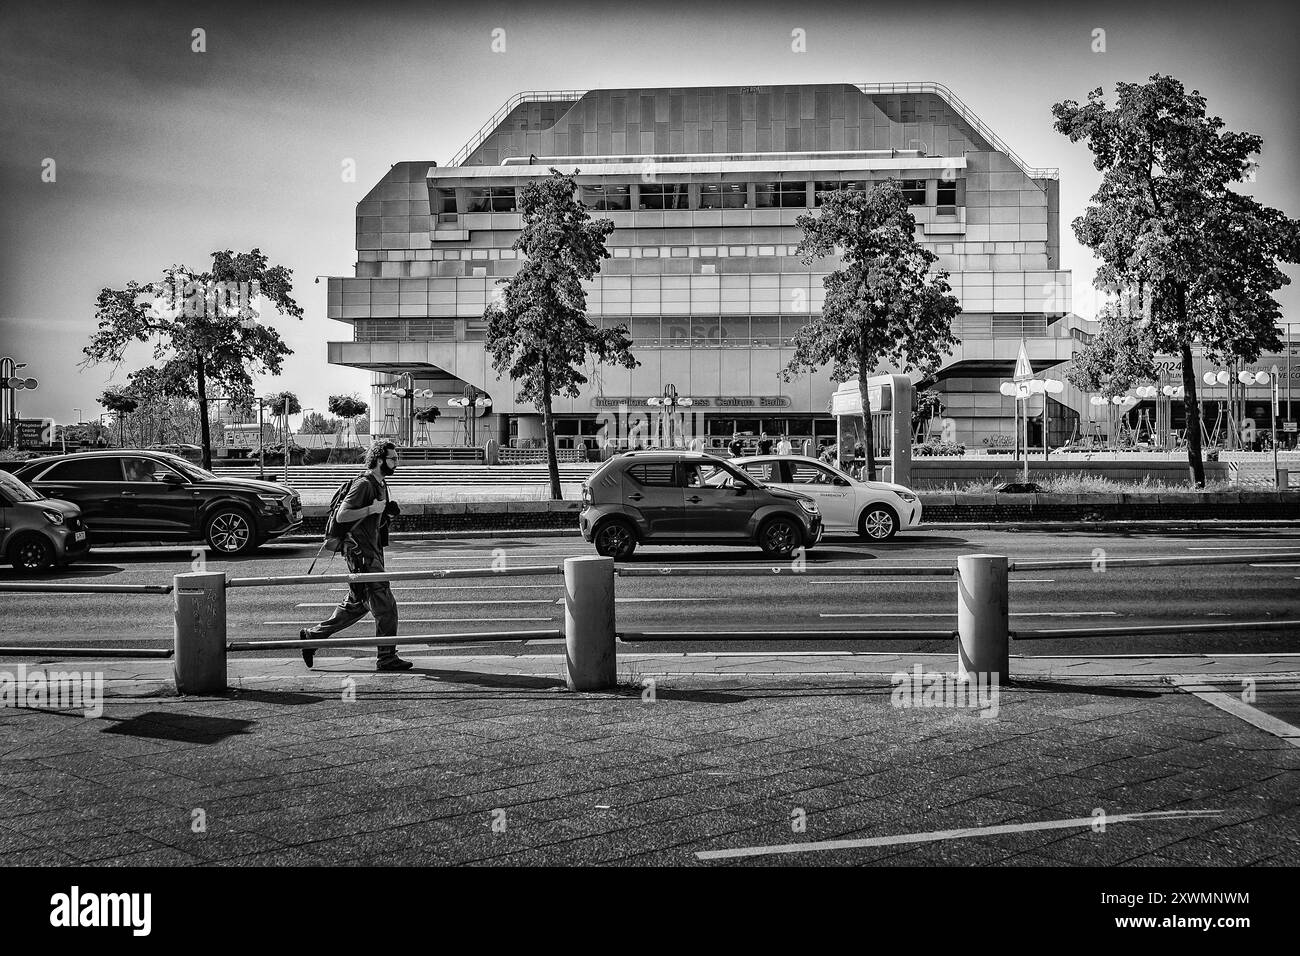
(1215, 696)
(1275, 565)
(429, 603)
(429, 620)
(1239, 547)
(954, 614)
(461, 587)
(962, 834)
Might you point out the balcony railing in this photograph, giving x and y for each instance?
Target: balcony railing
(532, 96)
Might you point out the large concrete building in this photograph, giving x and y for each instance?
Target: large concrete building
(704, 186)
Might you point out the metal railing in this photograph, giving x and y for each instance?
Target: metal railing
(967, 114)
(530, 96)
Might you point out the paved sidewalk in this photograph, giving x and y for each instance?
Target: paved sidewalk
(488, 760)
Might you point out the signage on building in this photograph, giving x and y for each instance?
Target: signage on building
(1288, 426)
(708, 401)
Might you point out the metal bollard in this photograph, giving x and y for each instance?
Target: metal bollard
(982, 616)
(589, 623)
(200, 635)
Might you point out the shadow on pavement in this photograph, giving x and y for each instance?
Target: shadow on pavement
(274, 697)
(1092, 690)
(185, 728)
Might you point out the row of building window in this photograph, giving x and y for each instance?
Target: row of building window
(615, 197)
(634, 252)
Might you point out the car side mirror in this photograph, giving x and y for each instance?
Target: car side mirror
(840, 481)
(168, 478)
(736, 485)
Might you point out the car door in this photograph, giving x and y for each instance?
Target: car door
(95, 484)
(831, 491)
(159, 498)
(653, 494)
(714, 511)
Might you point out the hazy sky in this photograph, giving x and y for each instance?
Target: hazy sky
(165, 155)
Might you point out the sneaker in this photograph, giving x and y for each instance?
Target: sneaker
(308, 653)
(393, 664)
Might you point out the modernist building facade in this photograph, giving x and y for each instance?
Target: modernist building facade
(704, 186)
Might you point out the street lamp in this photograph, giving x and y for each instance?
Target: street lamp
(470, 402)
(669, 401)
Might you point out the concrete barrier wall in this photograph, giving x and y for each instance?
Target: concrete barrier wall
(941, 472)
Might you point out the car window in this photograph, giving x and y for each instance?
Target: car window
(762, 470)
(145, 469)
(802, 473)
(85, 469)
(654, 473)
(715, 476)
(14, 490)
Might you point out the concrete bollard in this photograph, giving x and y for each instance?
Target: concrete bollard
(589, 623)
(982, 616)
(199, 639)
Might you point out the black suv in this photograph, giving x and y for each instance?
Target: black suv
(151, 495)
(667, 497)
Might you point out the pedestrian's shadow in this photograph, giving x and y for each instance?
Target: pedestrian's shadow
(535, 682)
(1093, 690)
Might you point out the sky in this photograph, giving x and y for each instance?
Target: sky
(163, 155)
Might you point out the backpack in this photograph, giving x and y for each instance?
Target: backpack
(337, 532)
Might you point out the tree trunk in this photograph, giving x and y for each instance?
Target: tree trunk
(548, 428)
(1192, 412)
(206, 438)
(868, 430)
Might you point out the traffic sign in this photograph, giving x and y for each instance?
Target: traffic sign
(1289, 426)
(1023, 369)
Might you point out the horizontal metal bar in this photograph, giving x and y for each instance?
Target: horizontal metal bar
(1051, 633)
(425, 575)
(1083, 563)
(461, 638)
(89, 588)
(767, 571)
(638, 636)
(26, 651)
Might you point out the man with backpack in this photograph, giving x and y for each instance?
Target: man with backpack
(360, 522)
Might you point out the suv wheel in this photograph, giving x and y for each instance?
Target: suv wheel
(878, 523)
(32, 553)
(615, 539)
(779, 537)
(230, 531)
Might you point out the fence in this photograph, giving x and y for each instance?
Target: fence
(590, 633)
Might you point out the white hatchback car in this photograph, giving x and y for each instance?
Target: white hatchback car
(876, 510)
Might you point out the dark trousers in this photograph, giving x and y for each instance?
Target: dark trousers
(374, 597)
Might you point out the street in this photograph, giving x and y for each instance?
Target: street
(1039, 599)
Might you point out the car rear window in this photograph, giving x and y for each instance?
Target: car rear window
(654, 473)
(85, 469)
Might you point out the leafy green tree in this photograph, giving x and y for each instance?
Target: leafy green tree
(317, 424)
(120, 403)
(926, 404)
(348, 408)
(883, 305)
(202, 322)
(538, 333)
(1165, 220)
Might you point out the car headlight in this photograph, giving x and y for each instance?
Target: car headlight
(808, 506)
(274, 501)
(905, 496)
(53, 517)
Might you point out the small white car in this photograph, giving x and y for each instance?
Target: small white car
(876, 510)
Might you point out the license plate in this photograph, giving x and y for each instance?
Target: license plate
(79, 536)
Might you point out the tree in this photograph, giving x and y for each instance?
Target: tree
(348, 408)
(282, 405)
(120, 403)
(202, 322)
(317, 424)
(538, 333)
(926, 404)
(1118, 357)
(166, 406)
(1164, 220)
(882, 306)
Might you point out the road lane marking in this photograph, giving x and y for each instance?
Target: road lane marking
(1234, 547)
(954, 614)
(1275, 565)
(961, 834)
(427, 603)
(460, 587)
(428, 620)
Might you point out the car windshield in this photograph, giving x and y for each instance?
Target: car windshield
(187, 468)
(14, 488)
(716, 475)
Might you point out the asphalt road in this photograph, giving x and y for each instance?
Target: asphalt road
(1039, 599)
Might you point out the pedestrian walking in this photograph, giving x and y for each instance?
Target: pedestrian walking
(764, 444)
(783, 447)
(737, 447)
(368, 505)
